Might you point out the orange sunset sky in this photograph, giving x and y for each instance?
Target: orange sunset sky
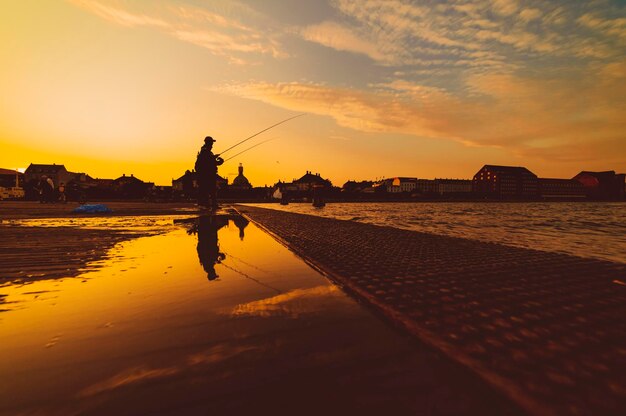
(390, 88)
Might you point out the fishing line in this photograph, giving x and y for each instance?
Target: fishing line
(262, 131)
(230, 256)
(249, 148)
(247, 276)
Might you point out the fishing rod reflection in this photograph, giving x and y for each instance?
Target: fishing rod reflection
(206, 228)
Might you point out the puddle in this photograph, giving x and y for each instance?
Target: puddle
(213, 315)
(151, 223)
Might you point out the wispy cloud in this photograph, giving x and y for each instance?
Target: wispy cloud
(533, 116)
(399, 32)
(119, 15)
(341, 38)
(606, 26)
(220, 34)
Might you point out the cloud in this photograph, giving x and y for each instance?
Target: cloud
(608, 27)
(341, 38)
(396, 32)
(527, 15)
(119, 15)
(526, 115)
(220, 34)
(504, 7)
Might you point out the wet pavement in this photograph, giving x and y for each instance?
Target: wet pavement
(546, 329)
(213, 316)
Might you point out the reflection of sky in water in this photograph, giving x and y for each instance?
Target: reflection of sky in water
(586, 229)
(149, 329)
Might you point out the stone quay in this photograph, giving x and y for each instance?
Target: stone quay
(546, 329)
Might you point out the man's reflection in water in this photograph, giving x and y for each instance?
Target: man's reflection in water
(208, 248)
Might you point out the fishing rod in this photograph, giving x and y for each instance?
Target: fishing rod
(262, 131)
(249, 148)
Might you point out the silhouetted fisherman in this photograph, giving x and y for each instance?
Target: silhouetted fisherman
(206, 168)
(208, 247)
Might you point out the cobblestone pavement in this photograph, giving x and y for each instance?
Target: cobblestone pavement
(547, 329)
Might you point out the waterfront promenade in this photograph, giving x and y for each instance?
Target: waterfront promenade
(546, 329)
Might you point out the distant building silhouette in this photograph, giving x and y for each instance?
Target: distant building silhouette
(131, 187)
(187, 185)
(284, 190)
(308, 186)
(456, 187)
(356, 187)
(425, 186)
(241, 182)
(400, 184)
(605, 185)
(308, 181)
(570, 189)
(11, 178)
(58, 173)
(505, 182)
(11, 184)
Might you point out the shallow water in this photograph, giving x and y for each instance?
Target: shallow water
(212, 316)
(593, 229)
(152, 223)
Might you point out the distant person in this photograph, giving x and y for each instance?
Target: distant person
(46, 189)
(50, 190)
(62, 198)
(38, 187)
(206, 168)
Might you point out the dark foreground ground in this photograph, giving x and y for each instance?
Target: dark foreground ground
(117, 315)
(546, 329)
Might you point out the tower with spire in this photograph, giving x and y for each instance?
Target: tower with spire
(241, 182)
